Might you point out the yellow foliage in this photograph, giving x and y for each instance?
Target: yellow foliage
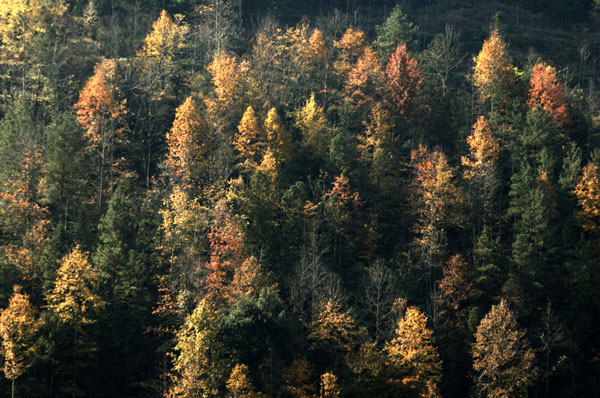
(226, 77)
(73, 297)
(588, 198)
(249, 140)
(329, 386)
(21, 20)
(493, 71)
(278, 138)
(165, 38)
(311, 121)
(187, 142)
(239, 384)
(484, 150)
(413, 352)
(18, 326)
(334, 327)
(350, 47)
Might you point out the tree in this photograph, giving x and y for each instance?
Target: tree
(297, 379)
(395, 30)
(329, 386)
(249, 141)
(199, 364)
(18, 328)
(436, 200)
(278, 138)
(379, 296)
(481, 171)
(239, 384)
(587, 192)
(311, 121)
(350, 47)
(226, 255)
(161, 47)
(74, 297)
(365, 79)
(100, 113)
(403, 84)
(412, 353)
(493, 73)
(502, 356)
(187, 142)
(226, 76)
(21, 21)
(546, 91)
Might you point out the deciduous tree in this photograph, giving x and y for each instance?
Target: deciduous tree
(18, 328)
(100, 113)
(546, 91)
(413, 354)
(502, 356)
(493, 73)
(188, 142)
(403, 84)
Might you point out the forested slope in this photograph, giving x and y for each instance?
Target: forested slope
(229, 198)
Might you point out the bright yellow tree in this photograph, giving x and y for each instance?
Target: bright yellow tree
(413, 353)
(187, 142)
(21, 21)
(311, 121)
(74, 298)
(493, 73)
(161, 46)
(18, 327)
(239, 384)
(249, 141)
(278, 137)
(481, 167)
(329, 386)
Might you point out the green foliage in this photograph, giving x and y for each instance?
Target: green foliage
(395, 30)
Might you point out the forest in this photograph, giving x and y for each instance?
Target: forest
(299, 199)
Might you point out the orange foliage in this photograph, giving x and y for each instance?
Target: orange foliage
(403, 82)
(342, 199)
(365, 78)
(226, 254)
(546, 91)
(98, 109)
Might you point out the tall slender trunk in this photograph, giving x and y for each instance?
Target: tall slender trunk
(12, 390)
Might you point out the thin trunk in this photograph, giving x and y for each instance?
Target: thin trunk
(12, 390)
